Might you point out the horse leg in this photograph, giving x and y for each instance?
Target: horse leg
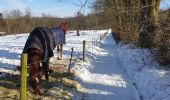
(35, 72)
(46, 69)
(58, 51)
(61, 50)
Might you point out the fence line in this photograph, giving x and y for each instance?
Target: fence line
(95, 42)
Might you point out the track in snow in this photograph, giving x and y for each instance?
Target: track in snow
(104, 77)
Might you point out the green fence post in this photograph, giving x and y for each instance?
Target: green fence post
(70, 60)
(23, 85)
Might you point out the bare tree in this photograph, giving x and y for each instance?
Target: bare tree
(28, 12)
(15, 13)
(80, 14)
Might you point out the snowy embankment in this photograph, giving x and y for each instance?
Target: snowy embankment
(152, 82)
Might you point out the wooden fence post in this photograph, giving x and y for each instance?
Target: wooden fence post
(100, 37)
(70, 60)
(92, 44)
(84, 47)
(23, 72)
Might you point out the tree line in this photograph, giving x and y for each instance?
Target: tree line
(140, 22)
(17, 22)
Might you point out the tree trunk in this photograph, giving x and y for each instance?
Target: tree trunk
(148, 22)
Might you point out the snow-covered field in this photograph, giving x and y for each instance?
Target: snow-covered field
(110, 72)
(11, 46)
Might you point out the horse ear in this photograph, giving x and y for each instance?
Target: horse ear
(63, 24)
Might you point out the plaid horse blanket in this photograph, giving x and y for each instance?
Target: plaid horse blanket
(41, 38)
(59, 35)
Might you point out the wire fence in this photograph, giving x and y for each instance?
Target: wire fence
(90, 44)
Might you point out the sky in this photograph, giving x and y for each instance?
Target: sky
(165, 4)
(52, 7)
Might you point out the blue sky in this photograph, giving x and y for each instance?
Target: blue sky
(165, 4)
(51, 7)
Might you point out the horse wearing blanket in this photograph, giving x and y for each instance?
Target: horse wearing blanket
(39, 47)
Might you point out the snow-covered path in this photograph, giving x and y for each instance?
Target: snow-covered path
(104, 77)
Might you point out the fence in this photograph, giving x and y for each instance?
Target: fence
(96, 41)
(24, 57)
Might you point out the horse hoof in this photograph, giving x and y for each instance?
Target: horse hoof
(51, 71)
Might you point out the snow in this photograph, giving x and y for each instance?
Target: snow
(151, 81)
(110, 71)
(104, 77)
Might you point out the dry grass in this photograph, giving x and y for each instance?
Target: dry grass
(58, 87)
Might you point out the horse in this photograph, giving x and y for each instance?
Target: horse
(39, 47)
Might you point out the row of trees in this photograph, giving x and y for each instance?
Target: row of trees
(139, 22)
(136, 20)
(15, 21)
